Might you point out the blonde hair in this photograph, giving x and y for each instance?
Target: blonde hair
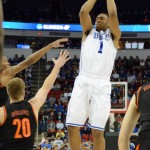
(15, 88)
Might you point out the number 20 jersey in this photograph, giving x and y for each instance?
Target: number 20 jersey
(97, 54)
(18, 130)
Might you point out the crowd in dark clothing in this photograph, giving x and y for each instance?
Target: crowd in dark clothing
(49, 14)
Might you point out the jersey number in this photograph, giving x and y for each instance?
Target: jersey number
(101, 47)
(23, 128)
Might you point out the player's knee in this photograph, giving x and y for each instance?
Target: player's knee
(97, 134)
(72, 129)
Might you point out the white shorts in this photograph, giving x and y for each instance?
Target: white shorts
(90, 99)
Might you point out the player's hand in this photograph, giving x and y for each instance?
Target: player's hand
(58, 43)
(62, 59)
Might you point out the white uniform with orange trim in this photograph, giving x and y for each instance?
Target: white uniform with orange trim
(91, 94)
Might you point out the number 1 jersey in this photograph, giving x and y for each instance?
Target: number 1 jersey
(17, 132)
(97, 55)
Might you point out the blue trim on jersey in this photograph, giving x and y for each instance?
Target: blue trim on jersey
(73, 124)
(99, 128)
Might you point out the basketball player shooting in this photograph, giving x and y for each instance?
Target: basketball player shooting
(1, 32)
(91, 93)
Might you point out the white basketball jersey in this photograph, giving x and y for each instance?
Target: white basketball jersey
(97, 54)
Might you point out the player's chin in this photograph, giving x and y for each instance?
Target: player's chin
(98, 28)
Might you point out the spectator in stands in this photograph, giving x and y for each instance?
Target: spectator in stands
(45, 122)
(43, 59)
(60, 115)
(115, 75)
(48, 66)
(120, 100)
(40, 121)
(58, 142)
(59, 125)
(130, 93)
(22, 58)
(10, 60)
(29, 69)
(119, 118)
(147, 65)
(125, 61)
(56, 147)
(75, 60)
(64, 97)
(66, 143)
(63, 74)
(147, 74)
(52, 116)
(51, 125)
(130, 77)
(59, 108)
(113, 97)
(16, 59)
(66, 93)
(46, 145)
(85, 130)
(60, 133)
(51, 105)
(132, 86)
(57, 86)
(148, 58)
(122, 76)
(137, 62)
(42, 139)
(142, 63)
(28, 76)
(51, 98)
(144, 80)
(65, 147)
(130, 62)
(51, 133)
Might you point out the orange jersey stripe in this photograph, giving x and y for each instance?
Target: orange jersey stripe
(138, 147)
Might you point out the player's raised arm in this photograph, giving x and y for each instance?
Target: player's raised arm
(85, 18)
(41, 95)
(36, 56)
(1, 32)
(113, 19)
